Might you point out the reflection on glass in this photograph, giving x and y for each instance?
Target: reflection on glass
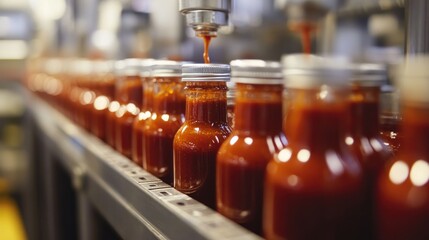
(334, 163)
(399, 172)
(165, 117)
(233, 140)
(419, 174)
(293, 180)
(114, 106)
(303, 155)
(248, 140)
(101, 103)
(284, 155)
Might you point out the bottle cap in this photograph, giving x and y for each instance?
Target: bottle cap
(103, 66)
(369, 74)
(254, 71)
(131, 66)
(201, 72)
(230, 94)
(311, 71)
(166, 68)
(146, 67)
(414, 79)
(52, 66)
(81, 67)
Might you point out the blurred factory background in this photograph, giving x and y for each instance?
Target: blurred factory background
(370, 29)
(364, 30)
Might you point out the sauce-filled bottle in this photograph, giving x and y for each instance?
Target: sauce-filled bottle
(113, 106)
(167, 117)
(129, 94)
(197, 142)
(257, 135)
(103, 73)
(314, 186)
(145, 113)
(364, 133)
(84, 90)
(403, 187)
(66, 87)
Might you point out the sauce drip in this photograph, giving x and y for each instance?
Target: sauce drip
(207, 40)
(305, 29)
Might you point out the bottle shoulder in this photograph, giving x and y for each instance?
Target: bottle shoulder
(335, 169)
(250, 147)
(202, 134)
(369, 151)
(163, 123)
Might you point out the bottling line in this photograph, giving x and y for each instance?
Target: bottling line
(144, 119)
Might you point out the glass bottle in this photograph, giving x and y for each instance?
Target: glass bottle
(104, 77)
(403, 187)
(313, 187)
(113, 106)
(129, 94)
(242, 158)
(364, 133)
(167, 117)
(197, 142)
(84, 92)
(145, 113)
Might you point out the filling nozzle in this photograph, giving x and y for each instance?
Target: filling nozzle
(205, 16)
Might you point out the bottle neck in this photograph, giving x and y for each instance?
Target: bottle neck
(206, 102)
(415, 130)
(258, 108)
(315, 119)
(363, 112)
(168, 96)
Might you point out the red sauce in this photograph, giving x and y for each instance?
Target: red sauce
(305, 29)
(139, 123)
(314, 186)
(403, 187)
(160, 128)
(137, 136)
(129, 93)
(367, 146)
(130, 90)
(197, 142)
(86, 100)
(100, 109)
(111, 123)
(207, 39)
(242, 159)
(74, 104)
(124, 127)
(99, 112)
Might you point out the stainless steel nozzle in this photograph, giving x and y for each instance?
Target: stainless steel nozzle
(205, 16)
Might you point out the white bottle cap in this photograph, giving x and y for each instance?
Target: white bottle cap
(414, 79)
(310, 71)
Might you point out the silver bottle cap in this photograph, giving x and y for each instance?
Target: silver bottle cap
(166, 68)
(200, 72)
(253, 71)
(311, 71)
